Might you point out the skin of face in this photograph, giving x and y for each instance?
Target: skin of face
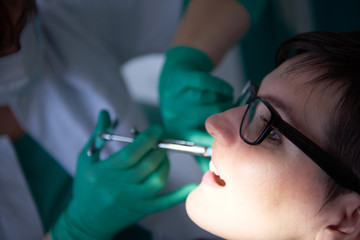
(273, 190)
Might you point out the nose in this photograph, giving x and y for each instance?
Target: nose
(224, 127)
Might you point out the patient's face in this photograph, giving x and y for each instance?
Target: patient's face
(273, 190)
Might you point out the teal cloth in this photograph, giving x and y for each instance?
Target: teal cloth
(259, 46)
(269, 28)
(49, 183)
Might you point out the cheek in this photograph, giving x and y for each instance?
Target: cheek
(281, 194)
(278, 183)
(262, 193)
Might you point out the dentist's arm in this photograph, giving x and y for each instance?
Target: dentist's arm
(212, 26)
(189, 94)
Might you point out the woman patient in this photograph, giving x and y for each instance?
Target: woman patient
(269, 181)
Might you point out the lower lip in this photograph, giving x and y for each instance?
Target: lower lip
(209, 178)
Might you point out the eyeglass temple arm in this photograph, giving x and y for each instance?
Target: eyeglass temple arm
(334, 169)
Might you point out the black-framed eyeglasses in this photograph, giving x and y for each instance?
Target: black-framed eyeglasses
(260, 119)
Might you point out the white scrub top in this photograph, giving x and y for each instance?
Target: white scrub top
(70, 57)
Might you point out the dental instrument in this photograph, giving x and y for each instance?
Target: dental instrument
(168, 144)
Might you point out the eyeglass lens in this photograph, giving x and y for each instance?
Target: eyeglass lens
(255, 121)
(245, 95)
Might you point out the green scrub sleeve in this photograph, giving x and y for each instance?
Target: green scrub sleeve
(49, 184)
(255, 9)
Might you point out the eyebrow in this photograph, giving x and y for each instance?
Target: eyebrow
(280, 105)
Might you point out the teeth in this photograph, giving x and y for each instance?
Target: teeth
(218, 179)
(213, 169)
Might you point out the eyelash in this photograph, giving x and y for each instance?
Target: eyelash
(274, 136)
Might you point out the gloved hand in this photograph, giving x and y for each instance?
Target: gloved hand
(189, 94)
(112, 194)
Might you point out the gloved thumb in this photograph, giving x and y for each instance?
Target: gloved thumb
(103, 123)
(197, 137)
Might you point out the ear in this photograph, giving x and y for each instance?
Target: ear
(344, 219)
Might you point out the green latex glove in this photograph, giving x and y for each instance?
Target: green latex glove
(112, 194)
(189, 94)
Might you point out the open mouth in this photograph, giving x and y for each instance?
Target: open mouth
(216, 175)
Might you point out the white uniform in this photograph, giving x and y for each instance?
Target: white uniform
(67, 71)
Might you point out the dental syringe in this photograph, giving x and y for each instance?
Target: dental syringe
(168, 144)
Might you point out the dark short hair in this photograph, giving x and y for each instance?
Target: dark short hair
(10, 32)
(336, 57)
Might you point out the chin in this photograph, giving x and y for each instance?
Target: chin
(192, 207)
(200, 208)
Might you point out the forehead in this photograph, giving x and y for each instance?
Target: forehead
(308, 106)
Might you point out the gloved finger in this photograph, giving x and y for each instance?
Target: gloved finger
(195, 98)
(196, 115)
(168, 200)
(197, 136)
(203, 163)
(206, 82)
(148, 189)
(144, 168)
(102, 124)
(200, 81)
(156, 181)
(206, 111)
(135, 151)
(203, 97)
